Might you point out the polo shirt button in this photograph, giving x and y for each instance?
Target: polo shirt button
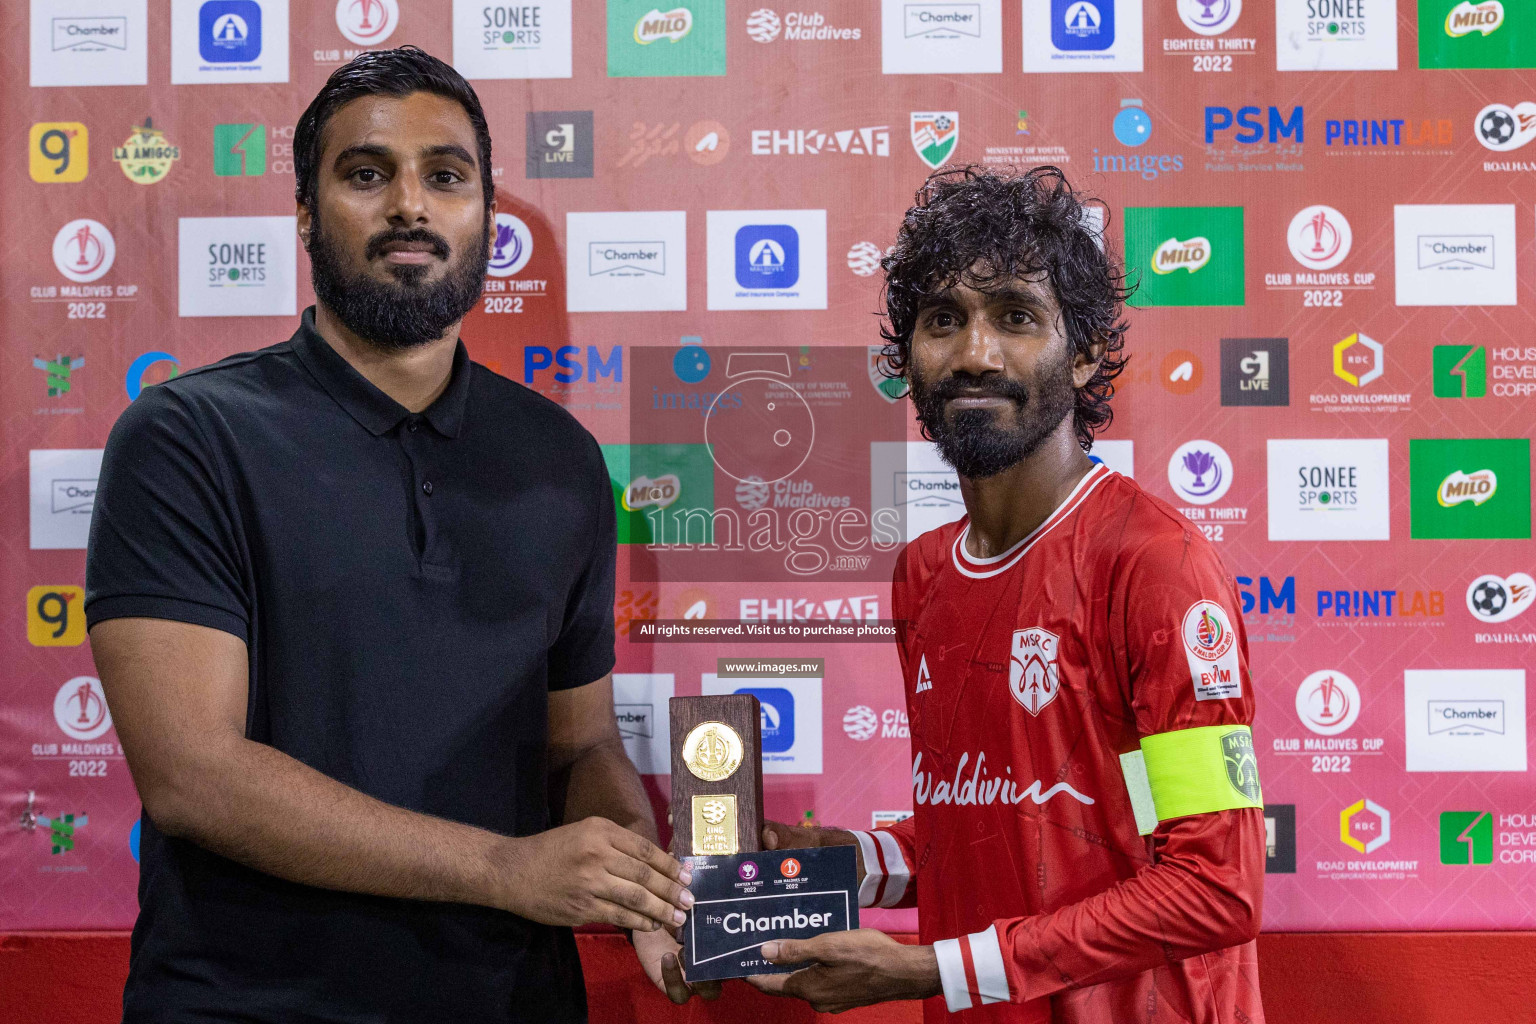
(426, 488)
(413, 425)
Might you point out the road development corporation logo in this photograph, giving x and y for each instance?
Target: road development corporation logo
(1319, 237)
(1358, 360)
(1209, 17)
(1200, 472)
(521, 39)
(513, 247)
(1501, 128)
(83, 250)
(80, 709)
(935, 135)
(1365, 826)
(1492, 598)
(367, 22)
(1210, 647)
(1464, 720)
(1032, 672)
(1328, 702)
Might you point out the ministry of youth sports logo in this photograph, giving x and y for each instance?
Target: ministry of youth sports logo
(1032, 674)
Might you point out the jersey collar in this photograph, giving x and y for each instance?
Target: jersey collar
(982, 568)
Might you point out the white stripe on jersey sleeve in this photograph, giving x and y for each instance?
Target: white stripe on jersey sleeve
(873, 876)
(987, 958)
(897, 874)
(957, 994)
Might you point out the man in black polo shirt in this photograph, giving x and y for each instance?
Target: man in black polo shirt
(351, 600)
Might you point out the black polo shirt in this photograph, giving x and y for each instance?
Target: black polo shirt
(410, 588)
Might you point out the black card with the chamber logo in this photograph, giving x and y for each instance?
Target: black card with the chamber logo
(748, 899)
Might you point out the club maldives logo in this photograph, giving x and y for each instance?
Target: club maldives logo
(1200, 472)
(1496, 599)
(864, 258)
(1466, 18)
(1501, 128)
(935, 135)
(670, 25)
(1032, 672)
(1319, 237)
(1209, 17)
(1173, 254)
(513, 247)
(83, 250)
(1328, 702)
(367, 22)
(1476, 487)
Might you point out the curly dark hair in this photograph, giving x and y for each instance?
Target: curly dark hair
(973, 225)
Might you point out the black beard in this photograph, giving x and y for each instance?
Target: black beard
(399, 315)
(973, 440)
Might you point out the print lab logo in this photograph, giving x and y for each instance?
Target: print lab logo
(1032, 673)
(1319, 237)
(1493, 599)
(1255, 371)
(367, 22)
(1365, 826)
(1328, 702)
(80, 709)
(1502, 128)
(83, 250)
(1200, 472)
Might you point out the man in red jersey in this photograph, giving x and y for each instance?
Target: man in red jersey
(1087, 842)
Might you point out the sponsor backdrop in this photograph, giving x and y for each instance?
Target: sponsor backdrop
(1327, 204)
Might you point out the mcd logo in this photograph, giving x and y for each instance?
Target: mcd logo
(568, 365)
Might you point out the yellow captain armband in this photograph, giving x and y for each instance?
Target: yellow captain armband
(1191, 771)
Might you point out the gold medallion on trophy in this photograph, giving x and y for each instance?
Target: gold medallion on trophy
(712, 751)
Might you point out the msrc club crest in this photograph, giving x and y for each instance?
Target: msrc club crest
(1032, 676)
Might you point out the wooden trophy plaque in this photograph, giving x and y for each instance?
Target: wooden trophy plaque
(717, 775)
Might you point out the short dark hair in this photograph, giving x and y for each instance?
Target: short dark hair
(397, 72)
(975, 225)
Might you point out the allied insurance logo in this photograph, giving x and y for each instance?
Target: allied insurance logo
(83, 250)
(229, 31)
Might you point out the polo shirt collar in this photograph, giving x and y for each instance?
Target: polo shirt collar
(375, 410)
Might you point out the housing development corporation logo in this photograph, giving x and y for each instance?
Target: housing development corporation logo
(1466, 837)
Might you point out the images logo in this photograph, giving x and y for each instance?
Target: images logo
(1319, 237)
(767, 256)
(1200, 472)
(1357, 360)
(83, 250)
(58, 152)
(1204, 241)
(80, 709)
(229, 31)
(1470, 488)
(1083, 25)
(58, 371)
(1132, 126)
(1502, 128)
(1460, 371)
(1173, 255)
(1466, 837)
(1255, 371)
(935, 135)
(513, 247)
(56, 616)
(239, 150)
(1500, 598)
(1328, 702)
(1365, 826)
(367, 22)
(145, 156)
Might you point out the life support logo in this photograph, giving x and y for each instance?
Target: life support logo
(1207, 634)
(1032, 674)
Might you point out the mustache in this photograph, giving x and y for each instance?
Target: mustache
(376, 244)
(967, 386)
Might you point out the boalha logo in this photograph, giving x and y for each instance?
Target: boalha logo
(237, 264)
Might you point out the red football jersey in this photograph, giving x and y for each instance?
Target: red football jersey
(1028, 675)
